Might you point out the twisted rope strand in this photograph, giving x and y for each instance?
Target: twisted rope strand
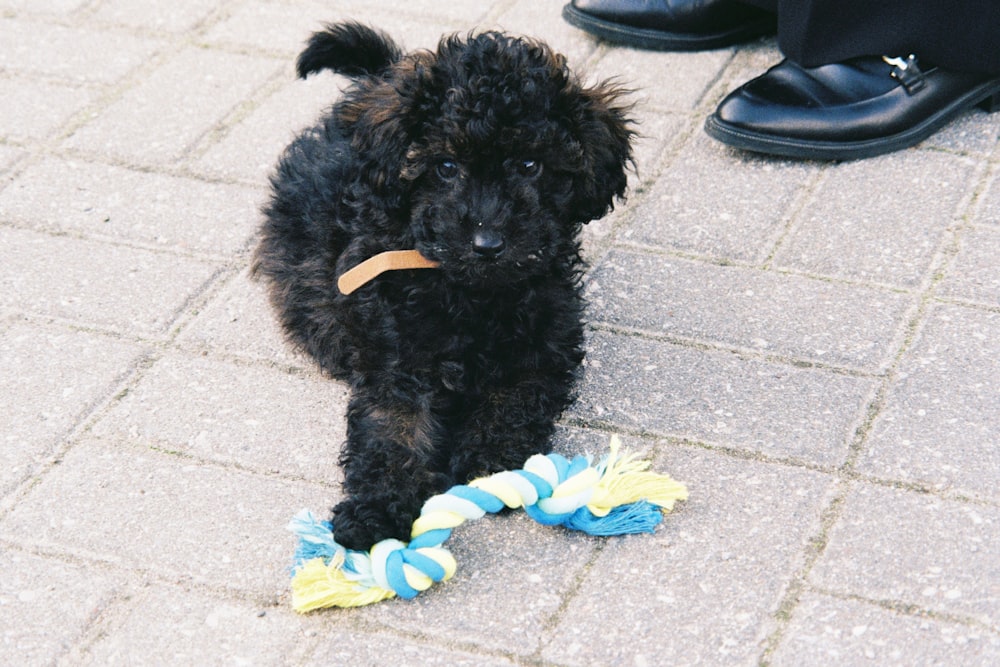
(617, 496)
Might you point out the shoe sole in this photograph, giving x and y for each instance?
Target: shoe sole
(986, 96)
(660, 40)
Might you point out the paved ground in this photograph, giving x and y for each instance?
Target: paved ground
(813, 348)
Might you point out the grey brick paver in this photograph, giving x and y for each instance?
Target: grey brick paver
(178, 16)
(338, 647)
(530, 17)
(769, 408)
(165, 515)
(257, 418)
(810, 346)
(828, 630)
(972, 132)
(976, 273)
(948, 445)
(51, 105)
(989, 209)
(118, 287)
(29, 7)
(469, 11)
(788, 315)
(39, 408)
(513, 576)
(707, 205)
(284, 27)
(188, 96)
(249, 149)
(46, 605)
(238, 321)
(920, 550)
(9, 156)
(273, 26)
(880, 220)
(643, 70)
(36, 48)
(193, 628)
(159, 210)
(691, 592)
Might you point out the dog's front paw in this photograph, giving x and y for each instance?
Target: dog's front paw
(359, 523)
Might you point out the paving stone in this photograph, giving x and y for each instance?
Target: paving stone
(123, 288)
(45, 605)
(240, 322)
(177, 16)
(154, 512)
(42, 6)
(704, 588)
(167, 211)
(194, 629)
(250, 150)
(712, 202)
(534, 19)
(469, 12)
(909, 200)
(975, 274)
(826, 630)
(988, 211)
(76, 54)
(789, 315)
(940, 426)
(512, 577)
(39, 407)
(779, 410)
(277, 27)
(272, 26)
(916, 549)
(51, 106)
(250, 416)
(974, 132)
(340, 647)
(155, 122)
(9, 155)
(691, 74)
(656, 134)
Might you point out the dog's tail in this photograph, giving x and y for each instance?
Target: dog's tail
(349, 48)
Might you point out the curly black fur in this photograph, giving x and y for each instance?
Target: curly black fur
(486, 156)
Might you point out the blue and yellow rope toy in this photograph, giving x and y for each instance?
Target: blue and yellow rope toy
(617, 496)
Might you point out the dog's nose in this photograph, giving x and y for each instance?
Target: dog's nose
(488, 243)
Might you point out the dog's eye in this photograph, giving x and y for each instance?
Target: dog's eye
(447, 169)
(529, 167)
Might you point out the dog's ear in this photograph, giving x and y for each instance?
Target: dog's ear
(603, 129)
(382, 116)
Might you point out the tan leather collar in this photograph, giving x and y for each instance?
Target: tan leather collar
(391, 260)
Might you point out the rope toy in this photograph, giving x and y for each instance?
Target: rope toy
(617, 496)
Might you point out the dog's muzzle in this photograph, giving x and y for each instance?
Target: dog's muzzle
(488, 243)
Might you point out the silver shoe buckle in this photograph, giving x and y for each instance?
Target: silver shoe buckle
(907, 72)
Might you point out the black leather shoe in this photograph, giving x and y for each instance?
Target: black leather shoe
(846, 111)
(670, 25)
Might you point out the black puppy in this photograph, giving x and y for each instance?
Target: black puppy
(485, 156)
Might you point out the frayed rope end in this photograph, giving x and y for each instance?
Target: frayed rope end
(626, 479)
(318, 584)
